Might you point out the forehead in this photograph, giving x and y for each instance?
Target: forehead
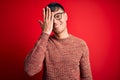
(58, 11)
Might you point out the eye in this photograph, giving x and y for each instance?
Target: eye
(58, 16)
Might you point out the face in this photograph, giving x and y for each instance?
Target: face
(59, 21)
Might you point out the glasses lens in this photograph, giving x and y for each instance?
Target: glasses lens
(58, 16)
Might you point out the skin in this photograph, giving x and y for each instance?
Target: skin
(49, 24)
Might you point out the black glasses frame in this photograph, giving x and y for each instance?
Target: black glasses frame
(58, 16)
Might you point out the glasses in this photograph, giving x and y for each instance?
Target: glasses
(58, 16)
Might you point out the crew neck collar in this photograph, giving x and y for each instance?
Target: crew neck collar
(63, 38)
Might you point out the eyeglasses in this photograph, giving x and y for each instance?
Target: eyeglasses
(58, 16)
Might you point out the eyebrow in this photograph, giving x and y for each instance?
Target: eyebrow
(59, 13)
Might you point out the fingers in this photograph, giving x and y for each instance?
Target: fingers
(41, 23)
(47, 13)
(47, 24)
(43, 13)
(52, 16)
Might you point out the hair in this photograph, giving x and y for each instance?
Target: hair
(54, 6)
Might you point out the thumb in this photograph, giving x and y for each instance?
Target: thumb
(41, 23)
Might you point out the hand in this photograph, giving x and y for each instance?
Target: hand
(47, 24)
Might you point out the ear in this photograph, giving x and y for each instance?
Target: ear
(66, 16)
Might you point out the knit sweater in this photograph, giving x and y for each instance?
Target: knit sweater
(63, 59)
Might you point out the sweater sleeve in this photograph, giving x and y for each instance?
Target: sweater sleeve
(34, 60)
(85, 69)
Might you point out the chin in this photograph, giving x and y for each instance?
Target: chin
(59, 31)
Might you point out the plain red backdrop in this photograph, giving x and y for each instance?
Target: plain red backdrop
(95, 21)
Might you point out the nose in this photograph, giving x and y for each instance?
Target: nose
(55, 21)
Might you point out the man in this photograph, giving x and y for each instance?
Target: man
(64, 56)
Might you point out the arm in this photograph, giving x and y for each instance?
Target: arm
(85, 69)
(34, 60)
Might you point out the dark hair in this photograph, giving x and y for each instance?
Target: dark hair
(54, 6)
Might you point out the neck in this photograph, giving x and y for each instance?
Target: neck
(62, 35)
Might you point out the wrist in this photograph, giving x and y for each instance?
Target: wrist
(47, 32)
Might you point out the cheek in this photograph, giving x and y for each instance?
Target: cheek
(62, 22)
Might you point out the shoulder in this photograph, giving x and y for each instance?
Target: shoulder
(81, 44)
(79, 40)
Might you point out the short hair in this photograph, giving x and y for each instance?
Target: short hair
(54, 6)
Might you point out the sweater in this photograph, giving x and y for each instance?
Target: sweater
(63, 59)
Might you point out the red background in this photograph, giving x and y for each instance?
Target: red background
(95, 21)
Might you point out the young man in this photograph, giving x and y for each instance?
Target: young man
(64, 56)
